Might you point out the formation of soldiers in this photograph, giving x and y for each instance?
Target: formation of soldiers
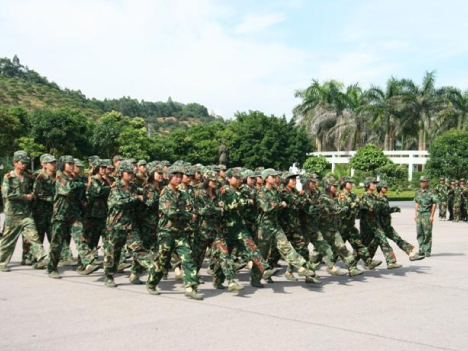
(156, 217)
(454, 197)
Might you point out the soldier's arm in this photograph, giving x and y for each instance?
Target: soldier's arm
(96, 189)
(265, 205)
(10, 193)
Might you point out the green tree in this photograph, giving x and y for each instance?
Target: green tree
(316, 164)
(10, 130)
(448, 156)
(105, 137)
(134, 140)
(369, 159)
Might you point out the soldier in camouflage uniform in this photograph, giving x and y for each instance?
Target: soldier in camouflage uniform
(425, 206)
(373, 236)
(17, 193)
(121, 229)
(310, 224)
(442, 196)
(210, 234)
(330, 224)
(290, 219)
(385, 217)
(96, 212)
(67, 219)
(236, 230)
(174, 208)
(450, 197)
(269, 204)
(348, 229)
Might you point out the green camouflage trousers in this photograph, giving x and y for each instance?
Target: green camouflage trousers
(114, 242)
(169, 243)
(424, 232)
(322, 249)
(61, 232)
(94, 229)
(376, 239)
(397, 239)
(443, 209)
(221, 263)
(338, 247)
(351, 234)
(300, 243)
(13, 228)
(269, 234)
(253, 253)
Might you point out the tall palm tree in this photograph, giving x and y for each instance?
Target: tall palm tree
(458, 108)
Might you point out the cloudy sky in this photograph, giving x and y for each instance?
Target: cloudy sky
(234, 55)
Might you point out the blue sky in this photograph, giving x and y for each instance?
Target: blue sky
(234, 55)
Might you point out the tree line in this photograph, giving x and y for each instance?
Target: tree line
(401, 115)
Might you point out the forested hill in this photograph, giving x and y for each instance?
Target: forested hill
(21, 86)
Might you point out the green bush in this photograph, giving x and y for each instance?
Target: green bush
(369, 159)
(317, 164)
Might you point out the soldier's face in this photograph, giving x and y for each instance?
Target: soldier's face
(127, 176)
(383, 190)
(142, 168)
(292, 183)
(213, 184)
(272, 180)
(233, 182)
(69, 167)
(312, 185)
(51, 166)
(186, 179)
(109, 170)
(176, 179)
(333, 189)
(251, 181)
(349, 186)
(372, 186)
(158, 176)
(21, 165)
(77, 169)
(198, 176)
(260, 180)
(222, 174)
(102, 170)
(424, 184)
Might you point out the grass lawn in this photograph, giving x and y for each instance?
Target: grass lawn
(393, 196)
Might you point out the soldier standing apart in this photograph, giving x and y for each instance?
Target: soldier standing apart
(442, 195)
(425, 206)
(17, 192)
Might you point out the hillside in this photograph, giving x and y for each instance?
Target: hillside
(20, 86)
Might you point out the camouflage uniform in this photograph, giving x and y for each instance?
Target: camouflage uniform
(66, 219)
(450, 197)
(269, 229)
(211, 235)
(373, 235)
(236, 229)
(44, 192)
(457, 202)
(174, 209)
(425, 200)
(18, 215)
(442, 196)
(121, 229)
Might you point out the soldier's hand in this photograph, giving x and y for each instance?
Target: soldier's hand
(29, 197)
(284, 204)
(140, 197)
(432, 219)
(301, 193)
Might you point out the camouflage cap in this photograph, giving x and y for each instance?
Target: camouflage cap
(67, 159)
(165, 163)
(247, 173)
(424, 179)
(259, 169)
(370, 180)
(269, 172)
(346, 179)
(125, 166)
(215, 168)
(91, 159)
(330, 181)
(455, 182)
(117, 158)
(21, 156)
(41, 159)
(222, 167)
(175, 169)
(383, 184)
(288, 174)
(48, 159)
(233, 172)
(142, 163)
(79, 163)
(211, 175)
(190, 171)
(107, 163)
(131, 160)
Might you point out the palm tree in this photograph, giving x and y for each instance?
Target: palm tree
(458, 108)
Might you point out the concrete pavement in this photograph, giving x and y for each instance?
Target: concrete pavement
(422, 306)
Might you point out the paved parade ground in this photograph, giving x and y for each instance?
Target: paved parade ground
(422, 306)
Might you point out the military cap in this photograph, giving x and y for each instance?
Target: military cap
(233, 172)
(41, 159)
(93, 158)
(125, 166)
(383, 184)
(222, 167)
(21, 156)
(165, 163)
(346, 179)
(455, 181)
(330, 181)
(97, 162)
(370, 180)
(215, 168)
(424, 179)
(106, 163)
(288, 174)
(247, 173)
(132, 160)
(79, 163)
(259, 169)
(175, 169)
(67, 159)
(190, 171)
(48, 159)
(142, 163)
(211, 175)
(442, 179)
(117, 158)
(269, 172)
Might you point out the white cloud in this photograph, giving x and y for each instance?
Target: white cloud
(252, 23)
